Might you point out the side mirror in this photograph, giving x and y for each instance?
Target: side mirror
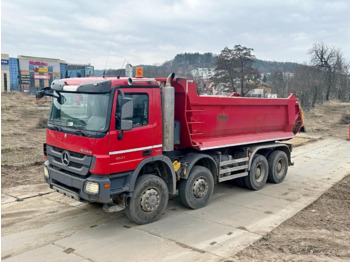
(40, 94)
(127, 109)
(126, 125)
(61, 99)
(46, 91)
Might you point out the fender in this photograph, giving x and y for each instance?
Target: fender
(164, 159)
(255, 149)
(192, 158)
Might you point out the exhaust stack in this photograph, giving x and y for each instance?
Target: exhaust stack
(168, 114)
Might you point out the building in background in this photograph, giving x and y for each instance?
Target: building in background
(5, 73)
(38, 72)
(28, 73)
(14, 75)
(79, 70)
(202, 73)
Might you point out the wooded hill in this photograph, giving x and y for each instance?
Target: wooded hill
(182, 64)
(325, 79)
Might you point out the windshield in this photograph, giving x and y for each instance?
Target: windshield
(80, 111)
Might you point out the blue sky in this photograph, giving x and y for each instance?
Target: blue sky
(152, 32)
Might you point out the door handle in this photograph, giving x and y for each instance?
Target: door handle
(146, 153)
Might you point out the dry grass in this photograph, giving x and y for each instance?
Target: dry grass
(327, 119)
(42, 123)
(345, 119)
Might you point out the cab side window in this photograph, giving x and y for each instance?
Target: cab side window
(141, 112)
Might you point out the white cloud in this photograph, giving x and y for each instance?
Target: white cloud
(155, 31)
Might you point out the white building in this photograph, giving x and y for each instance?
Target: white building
(203, 73)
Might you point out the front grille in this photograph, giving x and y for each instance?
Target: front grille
(79, 164)
(74, 154)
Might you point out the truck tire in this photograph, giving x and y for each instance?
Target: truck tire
(196, 191)
(278, 166)
(148, 201)
(258, 173)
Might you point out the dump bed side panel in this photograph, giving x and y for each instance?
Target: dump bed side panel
(209, 122)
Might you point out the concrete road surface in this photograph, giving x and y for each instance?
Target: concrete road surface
(41, 225)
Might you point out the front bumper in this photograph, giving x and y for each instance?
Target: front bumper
(73, 185)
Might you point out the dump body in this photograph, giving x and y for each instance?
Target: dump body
(209, 122)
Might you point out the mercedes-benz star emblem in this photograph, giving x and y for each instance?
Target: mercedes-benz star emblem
(65, 158)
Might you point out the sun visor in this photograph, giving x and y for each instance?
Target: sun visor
(86, 87)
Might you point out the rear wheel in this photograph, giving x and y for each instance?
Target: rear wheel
(196, 191)
(149, 200)
(258, 173)
(278, 166)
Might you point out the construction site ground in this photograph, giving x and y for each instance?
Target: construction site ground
(279, 222)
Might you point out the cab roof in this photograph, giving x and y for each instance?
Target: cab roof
(101, 84)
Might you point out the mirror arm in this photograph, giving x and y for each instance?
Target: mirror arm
(43, 91)
(121, 134)
(120, 92)
(52, 95)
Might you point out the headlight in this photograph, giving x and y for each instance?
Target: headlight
(91, 188)
(46, 172)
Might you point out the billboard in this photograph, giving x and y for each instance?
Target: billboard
(41, 69)
(41, 77)
(24, 65)
(89, 71)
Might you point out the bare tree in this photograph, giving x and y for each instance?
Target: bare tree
(324, 58)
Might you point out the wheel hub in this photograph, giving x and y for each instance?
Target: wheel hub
(280, 168)
(150, 200)
(259, 173)
(200, 187)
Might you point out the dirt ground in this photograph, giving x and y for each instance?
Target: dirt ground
(22, 139)
(329, 119)
(321, 232)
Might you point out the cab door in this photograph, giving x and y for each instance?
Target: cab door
(136, 144)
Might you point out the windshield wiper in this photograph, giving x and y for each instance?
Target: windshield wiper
(80, 132)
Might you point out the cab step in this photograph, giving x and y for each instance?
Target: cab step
(114, 208)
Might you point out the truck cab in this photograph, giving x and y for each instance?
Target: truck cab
(89, 155)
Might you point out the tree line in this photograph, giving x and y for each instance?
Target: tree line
(325, 76)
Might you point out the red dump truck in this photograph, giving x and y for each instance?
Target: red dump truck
(128, 143)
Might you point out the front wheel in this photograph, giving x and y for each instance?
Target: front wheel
(149, 200)
(196, 191)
